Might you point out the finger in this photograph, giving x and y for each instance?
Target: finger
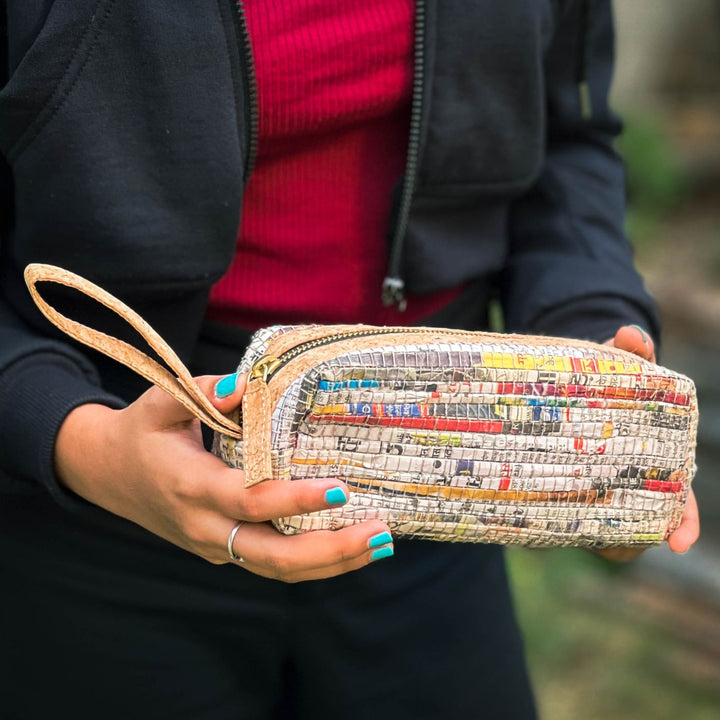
(227, 392)
(620, 554)
(204, 480)
(339, 569)
(634, 339)
(273, 498)
(316, 554)
(689, 529)
(166, 411)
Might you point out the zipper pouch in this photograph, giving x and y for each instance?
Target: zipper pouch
(445, 434)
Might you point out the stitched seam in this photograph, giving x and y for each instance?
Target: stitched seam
(265, 445)
(60, 95)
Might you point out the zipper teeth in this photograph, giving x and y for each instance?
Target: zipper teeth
(299, 349)
(252, 119)
(291, 354)
(413, 152)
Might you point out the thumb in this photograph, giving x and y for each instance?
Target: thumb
(635, 340)
(225, 392)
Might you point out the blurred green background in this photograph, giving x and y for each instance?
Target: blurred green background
(642, 641)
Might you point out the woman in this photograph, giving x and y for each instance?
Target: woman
(476, 137)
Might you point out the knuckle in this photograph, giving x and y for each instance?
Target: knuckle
(279, 568)
(250, 508)
(154, 400)
(196, 536)
(188, 487)
(304, 501)
(342, 552)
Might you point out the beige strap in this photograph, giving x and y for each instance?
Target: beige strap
(181, 386)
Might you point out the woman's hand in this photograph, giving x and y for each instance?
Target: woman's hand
(635, 340)
(147, 463)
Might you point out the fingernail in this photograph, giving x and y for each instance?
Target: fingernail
(382, 553)
(644, 334)
(336, 496)
(226, 386)
(384, 538)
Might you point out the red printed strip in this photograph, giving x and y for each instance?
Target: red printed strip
(430, 423)
(665, 486)
(587, 439)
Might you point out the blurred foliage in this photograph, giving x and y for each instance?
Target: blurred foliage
(656, 183)
(591, 655)
(496, 319)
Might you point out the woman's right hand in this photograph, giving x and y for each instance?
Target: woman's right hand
(147, 463)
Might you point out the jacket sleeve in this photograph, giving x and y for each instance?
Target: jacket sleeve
(41, 381)
(570, 268)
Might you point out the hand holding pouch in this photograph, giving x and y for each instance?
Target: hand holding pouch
(445, 434)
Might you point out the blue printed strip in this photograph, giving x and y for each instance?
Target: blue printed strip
(351, 384)
(464, 410)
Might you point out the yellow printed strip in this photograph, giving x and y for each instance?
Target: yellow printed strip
(558, 363)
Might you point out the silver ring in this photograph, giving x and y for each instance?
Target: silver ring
(231, 540)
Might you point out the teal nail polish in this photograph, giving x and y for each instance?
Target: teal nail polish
(382, 553)
(336, 496)
(384, 538)
(644, 334)
(226, 386)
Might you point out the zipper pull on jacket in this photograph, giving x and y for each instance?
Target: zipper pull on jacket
(583, 87)
(393, 293)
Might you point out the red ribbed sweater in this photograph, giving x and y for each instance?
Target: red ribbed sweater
(334, 86)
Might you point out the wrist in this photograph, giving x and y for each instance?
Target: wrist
(79, 445)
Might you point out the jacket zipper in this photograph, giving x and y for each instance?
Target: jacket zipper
(581, 61)
(393, 289)
(250, 90)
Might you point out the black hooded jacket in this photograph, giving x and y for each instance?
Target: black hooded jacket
(127, 134)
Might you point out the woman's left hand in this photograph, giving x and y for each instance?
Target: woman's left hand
(635, 340)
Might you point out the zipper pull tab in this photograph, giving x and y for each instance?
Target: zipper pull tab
(393, 293)
(585, 100)
(257, 423)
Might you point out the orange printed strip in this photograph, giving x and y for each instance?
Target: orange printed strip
(585, 497)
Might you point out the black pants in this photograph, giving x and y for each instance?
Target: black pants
(101, 623)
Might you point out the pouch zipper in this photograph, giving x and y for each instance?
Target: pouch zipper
(264, 368)
(268, 365)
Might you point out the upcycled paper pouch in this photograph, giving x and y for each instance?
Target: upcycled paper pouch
(469, 436)
(444, 434)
